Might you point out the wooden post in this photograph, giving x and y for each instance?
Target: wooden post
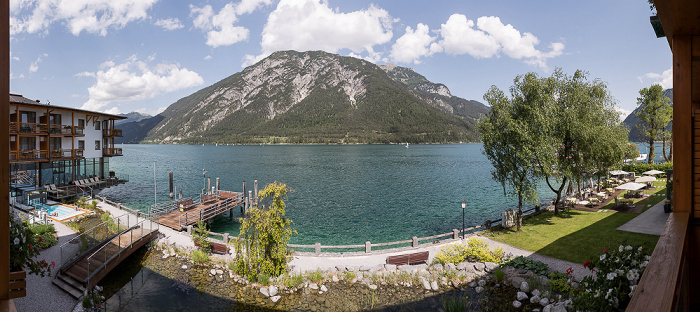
(682, 124)
(368, 247)
(208, 183)
(415, 241)
(180, 193)
(255, 185)
(225, 238)
(217, 185)
(250, 200)
(317, 248)
(455, 233)
(171, 185)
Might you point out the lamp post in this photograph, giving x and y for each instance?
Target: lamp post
(204, 180)
(464, 206)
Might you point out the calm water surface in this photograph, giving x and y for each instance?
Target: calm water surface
(342, 194)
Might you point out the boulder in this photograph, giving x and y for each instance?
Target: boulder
(335, 278)
(472, 284)
(350, 269)
(450, 266)
(273, 290)
(516, 281)
(213, 272)
(265, 292)
(479, 266)
(436, 267)
(340, 268)
(426, 285)
(517, 304)
(364, 268)
(275, 298)
(521, 296)
(479, 289)
(390, 267)
(372, 287)
(536, 292)
(524, 286)
(544, 302)
(324, 288)
(535, 299)
(559, 307)
(482, 283)
(434, 285)
(490, 266)
(313, 286)
(462, 266)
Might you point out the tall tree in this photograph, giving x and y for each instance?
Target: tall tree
(655, 113)
(508, 141)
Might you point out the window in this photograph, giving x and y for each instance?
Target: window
(55, 119)
(81, 144)
(29, 117)
(54, 143)
(97, 144)
(105, 124)
(27, 143)
(81, 123)
(97, 126)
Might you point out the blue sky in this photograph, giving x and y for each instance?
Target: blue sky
(130, 55)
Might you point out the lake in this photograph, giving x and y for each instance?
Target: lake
(342, 194)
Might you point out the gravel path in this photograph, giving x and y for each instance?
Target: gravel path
(42, 295)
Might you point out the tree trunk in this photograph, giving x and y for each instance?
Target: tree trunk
(556, 191)
(670, 149)
(520, 212)
(650, 156)
(663, 146)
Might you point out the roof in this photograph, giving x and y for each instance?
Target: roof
(19, 99)
(679, 17)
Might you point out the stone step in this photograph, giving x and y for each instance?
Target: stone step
(67, 288)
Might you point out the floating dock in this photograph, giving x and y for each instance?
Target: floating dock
(182, 213)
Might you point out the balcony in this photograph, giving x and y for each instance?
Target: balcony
(112, 133)
(66, 153)
(111, 151)
(28, 155)
(28, 127)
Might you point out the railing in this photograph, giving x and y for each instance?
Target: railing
(99, 259)
(28, 155)
(209, 212)
(28, 127)
(112, 132)
(78, 130)
(66, 153)
(111, 151)
(87, 240)
(664, 286)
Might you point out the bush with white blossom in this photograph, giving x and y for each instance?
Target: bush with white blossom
(617, 274)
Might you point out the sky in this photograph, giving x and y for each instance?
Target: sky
(118, 56)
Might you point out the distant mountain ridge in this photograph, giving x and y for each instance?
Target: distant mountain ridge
(314, 97)
(132, 117)
(632, 120)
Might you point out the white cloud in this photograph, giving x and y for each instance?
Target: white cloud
(220, 27)
(92, 16)
(34, 66)
(412, 45)
(459, 36)
(208, 57)
(169, 24)
(623, 112)
(305, 25)
(136, 80)
(13, 57)
(665, 79)
(84, 74)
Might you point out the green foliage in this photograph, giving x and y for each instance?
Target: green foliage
(24, 248)
(261, 246)
(231, 265)
(456, 304)
(316, 276)
(618, 272)
(44, 234)
(499, 274)
(560, 286)
(40, 229)
(263, 279)
(200, 256)
(521, 262)
(639, 168)
(200, 236)
(107, 218)
(349, 276)
(87, 301)
(475, 249)
(655, 112)
(291, 281)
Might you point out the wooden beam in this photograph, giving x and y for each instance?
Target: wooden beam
(682, 124)
(4, 149)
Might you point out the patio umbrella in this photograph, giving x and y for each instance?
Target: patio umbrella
(644, 179)
(652, 172)
(618, 172)
(630, 186)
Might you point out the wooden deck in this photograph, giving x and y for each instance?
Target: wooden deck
(208, 208)
(116, 249)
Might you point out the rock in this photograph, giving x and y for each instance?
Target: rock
(320, 292)
(340, 268)
(462, 266)
(516, 281)
(544, 302)
(479, 266)
(184, 267)
(324, 288)
(482, 283)
(275, 298)
(407, 268)
(390, 267)
(521, 296)
(517, 304)
(165, 256)
(364, 268)
(450, 266)
(313, 286)
(426, 285)
(273, 290)
(335, 278)
(547, 308)
(372, 287)
(490, 266)
(524, 286)
(435, 267)
(472, 284)
(212, 271)
(350, 268)
(536, 292)
(559, 307)
(421, 266)
(265, 292)
(219, 272)
(479, 289)
(535, 299)
(434, 286)
(454, 284)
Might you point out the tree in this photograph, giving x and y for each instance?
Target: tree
(261, 246)
(655, 113)
(508, 141)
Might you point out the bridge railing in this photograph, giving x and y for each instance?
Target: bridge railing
(92, 237)
(123, 240)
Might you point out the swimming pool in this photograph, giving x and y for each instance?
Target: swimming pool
(61, 212)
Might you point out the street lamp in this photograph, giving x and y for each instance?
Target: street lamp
(464, 206)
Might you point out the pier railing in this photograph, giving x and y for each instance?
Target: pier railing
(88, 239)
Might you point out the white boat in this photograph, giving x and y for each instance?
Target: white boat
(642, 157)
(406, 144)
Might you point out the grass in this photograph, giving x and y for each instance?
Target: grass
(574, 236)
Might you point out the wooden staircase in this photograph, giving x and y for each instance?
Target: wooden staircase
(69, 284)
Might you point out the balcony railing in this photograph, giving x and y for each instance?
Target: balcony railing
(28, 127)
(664, 286)
(28, 155)
(66, 153)
(112, 132)
(111, 151)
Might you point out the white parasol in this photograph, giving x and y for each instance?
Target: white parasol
(652, 172)
(644, 179)
(630, 186)
(618, 172)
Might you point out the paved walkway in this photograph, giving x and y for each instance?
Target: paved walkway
(651, 221)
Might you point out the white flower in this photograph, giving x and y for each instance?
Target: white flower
(602, 257)
(611, 275)
(16, 240)
(639, 249)
(628, 247)
(632, 288)
(619, 272)
(644, 264)
(621, 248)
(634, 262)
(647, 257)
(608, 294)
(630, 275)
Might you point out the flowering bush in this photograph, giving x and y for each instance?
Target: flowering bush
(475, 249)
(24, 247)
(617, 274)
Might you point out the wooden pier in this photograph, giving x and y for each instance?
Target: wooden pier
(180, 214)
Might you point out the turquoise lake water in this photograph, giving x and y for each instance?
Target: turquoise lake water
(342, 194)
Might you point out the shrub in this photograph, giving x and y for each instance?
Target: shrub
(231, 265)
(499, 274)
(349, 276)
(316, 276)
(200, 257)
(263, 279)
(475, 249)
(521, 262)
(294, 280)
(40, 229)
(201, 235)
(618, 272)
(452, 253)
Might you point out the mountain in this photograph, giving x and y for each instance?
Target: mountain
(632, 120)
(313, 97)
(132, 116)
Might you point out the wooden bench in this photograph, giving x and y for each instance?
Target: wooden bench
(215, 247)
(185, 204)
(207, 199)
(412, 258)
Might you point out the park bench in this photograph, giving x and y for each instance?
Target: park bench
(215, 247)
(412, 258)
(185, 204)
(206, 199)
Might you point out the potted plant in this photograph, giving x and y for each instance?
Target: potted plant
(111, 174)
(24, 249)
